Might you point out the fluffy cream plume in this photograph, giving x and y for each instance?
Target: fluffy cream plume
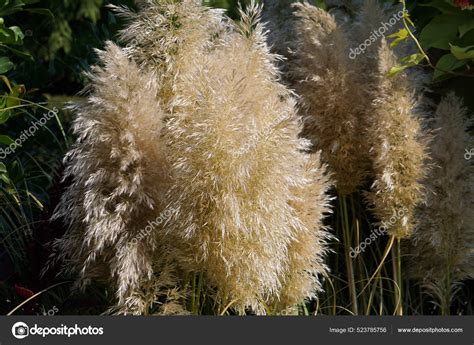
(119, 175)
(162, 294)
(118, 165)
(240, 174)
(399, 149)
(322, 74)
(308, 246)
(441, 255)
(398, 141)
(191, 119)
(337, 86)
(168, 35)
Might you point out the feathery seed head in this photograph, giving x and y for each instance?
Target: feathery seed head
(168, 36)
(442, 244)
(322, 74)
(399, 148)
(235, 219)
(119, 174)
(199, 125)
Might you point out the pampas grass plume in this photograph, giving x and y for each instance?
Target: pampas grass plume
(441, 255)
(399, 148)
(192, 119)
(322, 74)
(239, 171)
(119, 175)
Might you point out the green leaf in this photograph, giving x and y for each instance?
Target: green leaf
(466, 40)
(19, 53)
(447, 63)
(40, 11)
(399, 36)
(4, 178)
(12, 35)
(4, 116)
(443, 6)
(406, 62)
(406, 15)
(9, 7)
(413, 59)
(3, 168)
(462, 53)
(443, 30)
(13, 100)
(6, 140)
(15, 172)
(439, 32)
(36, 200)
(395, 70)
(5, 65)
(466, 27)
(17, 31)
(320, 4)
(7, 82)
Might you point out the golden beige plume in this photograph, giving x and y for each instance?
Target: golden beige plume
(196, 126)
(167, 36)
(322, 74)
(118, 165)
(119, 175)
(441, 253)
(399, 149)
(238, 168)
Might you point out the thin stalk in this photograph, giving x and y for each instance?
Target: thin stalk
(199, 291)
(39, 105)
(347, 248)
(371, 297)
(382, 261)
(334, 304)
(446, 293)
(360, 265)
(397, 275)
(193, 296)
(36, 295)
(381, 298)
